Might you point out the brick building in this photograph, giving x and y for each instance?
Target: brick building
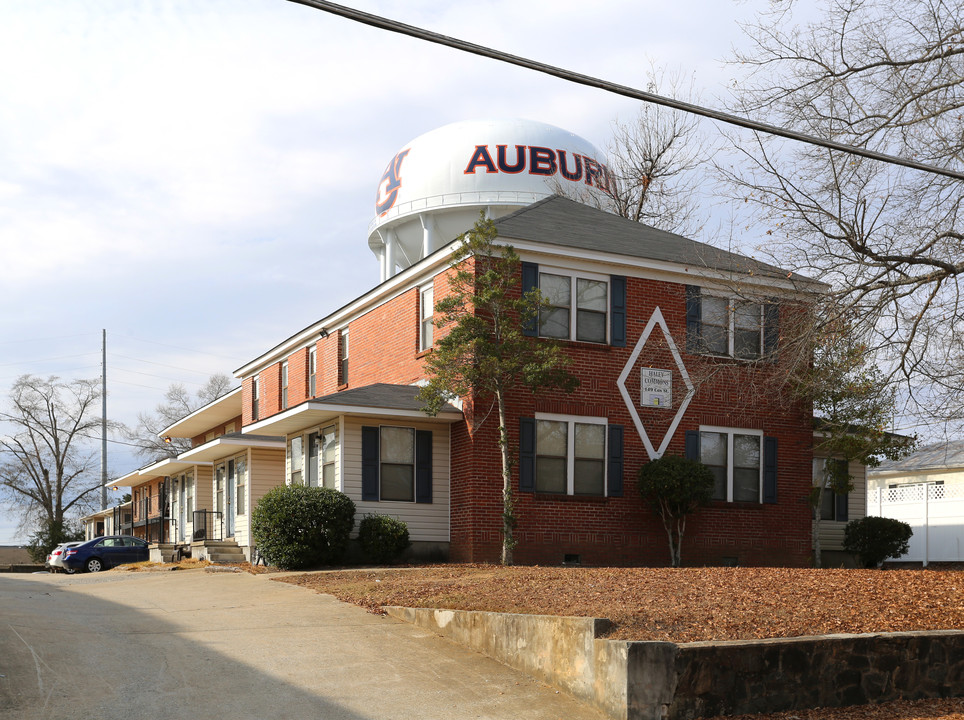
(667, 336)
(674, 342)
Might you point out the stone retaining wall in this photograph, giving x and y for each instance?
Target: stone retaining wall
(667, 681)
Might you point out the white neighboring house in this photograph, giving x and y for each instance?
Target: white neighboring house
(925, 490)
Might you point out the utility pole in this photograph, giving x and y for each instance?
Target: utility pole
(103, 424)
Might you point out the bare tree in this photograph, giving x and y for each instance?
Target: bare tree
(655, 163)
(888, 76)
(178, 403)
(47, 467)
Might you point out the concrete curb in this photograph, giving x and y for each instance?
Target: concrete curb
(649, 680)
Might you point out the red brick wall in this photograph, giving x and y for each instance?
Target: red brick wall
(623, 530)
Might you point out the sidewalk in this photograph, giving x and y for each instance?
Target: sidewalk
(194, 644)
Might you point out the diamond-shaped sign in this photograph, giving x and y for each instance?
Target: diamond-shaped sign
(654, 320)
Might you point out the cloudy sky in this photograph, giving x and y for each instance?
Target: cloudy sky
(197, 178)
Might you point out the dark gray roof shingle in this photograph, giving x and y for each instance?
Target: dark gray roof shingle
(562, 222)
(379, 395)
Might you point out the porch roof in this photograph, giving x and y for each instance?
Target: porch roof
(231, 443)
(378, 400)
(162, 468)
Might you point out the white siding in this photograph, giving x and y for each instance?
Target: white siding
(427, 522)
(266, 470)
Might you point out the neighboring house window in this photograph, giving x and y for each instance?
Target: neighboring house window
(743, 462)
(730, 327)
(295, 461)
(570, 455)
(284, 385)
(396, 464)
(328, 451)
(833, 506)
(312, 370)
(576, 307)
(426, 308)
(586, 308)
(255, 397)
(343, 358)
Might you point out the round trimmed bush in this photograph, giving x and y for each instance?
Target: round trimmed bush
(296, 527)
(383, 539)
(875, 539)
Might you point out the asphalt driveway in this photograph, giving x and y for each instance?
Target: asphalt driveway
(194, 644)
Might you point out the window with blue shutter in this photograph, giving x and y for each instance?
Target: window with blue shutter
(730, 326)
(568, 455)
(400, 459)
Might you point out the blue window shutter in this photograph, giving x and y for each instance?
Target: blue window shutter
(771, 331)
(694, 320)
(614, 473)
(842, 512)
(693, 444)
(617, 310)
(530, 281)
(423, 466)
(370, 458)
(769, 469)
(527, 454)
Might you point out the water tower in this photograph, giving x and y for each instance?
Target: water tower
(434, 187)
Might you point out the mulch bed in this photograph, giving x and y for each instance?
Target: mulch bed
(676, 605)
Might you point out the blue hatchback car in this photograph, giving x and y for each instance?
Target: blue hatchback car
(103, 553)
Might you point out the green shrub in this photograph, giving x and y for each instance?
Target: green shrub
(875, 539)
(675, 487)
(383, 539)
(296, 527)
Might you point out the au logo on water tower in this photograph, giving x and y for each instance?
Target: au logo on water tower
(656, 388)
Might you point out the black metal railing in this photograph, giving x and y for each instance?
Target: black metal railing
(208, 525)
(156, 530)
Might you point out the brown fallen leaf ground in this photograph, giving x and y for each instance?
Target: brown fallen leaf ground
(687, 604)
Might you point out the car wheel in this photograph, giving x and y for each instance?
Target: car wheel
(69, 571)
(94, 565)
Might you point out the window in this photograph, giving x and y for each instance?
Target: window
(312, 370)
(343, 358)
(295, 461)
(730, 327)
(255, 397)
(833, 506)
(284, 385)
(328, 450)
(570, 455)
(426, 308)
(396, 464)
(586, 321)
(735, 458)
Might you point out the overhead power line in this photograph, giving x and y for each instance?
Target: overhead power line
(416, 32)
